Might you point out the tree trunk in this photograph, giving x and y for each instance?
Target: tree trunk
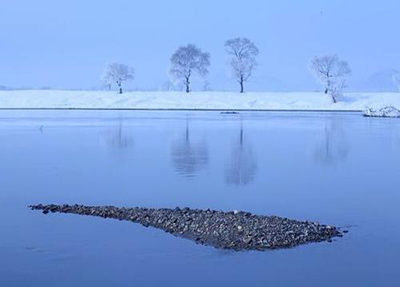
(326, 91)
(187, 85)
(334, 99)
(241, 85)
(119, 83)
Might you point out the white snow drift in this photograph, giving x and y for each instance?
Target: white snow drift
(52, 99)
(386, 112)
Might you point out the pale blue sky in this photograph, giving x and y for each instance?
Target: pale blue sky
(66, 43)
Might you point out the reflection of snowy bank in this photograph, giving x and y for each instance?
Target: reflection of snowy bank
(385, 112)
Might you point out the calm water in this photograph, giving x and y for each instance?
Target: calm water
(339, 169)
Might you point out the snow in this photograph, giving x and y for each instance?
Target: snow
(386, 112)
(58, 99)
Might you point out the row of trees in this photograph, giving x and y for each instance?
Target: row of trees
(190, 61)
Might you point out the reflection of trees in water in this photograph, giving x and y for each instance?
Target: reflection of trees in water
(242, 166)
(189, 157)
(118, 138)
(332, 146)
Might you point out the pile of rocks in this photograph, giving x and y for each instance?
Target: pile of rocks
(228, 230)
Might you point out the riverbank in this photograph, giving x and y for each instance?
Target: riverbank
(226, 230)
(306, 101)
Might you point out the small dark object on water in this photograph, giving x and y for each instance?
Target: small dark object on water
(227, 230)
(230, 113)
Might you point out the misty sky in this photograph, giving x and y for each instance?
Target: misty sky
(67, 43)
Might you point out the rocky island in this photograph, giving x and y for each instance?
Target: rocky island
(234, 230)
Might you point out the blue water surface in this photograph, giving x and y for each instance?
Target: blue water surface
(334, 168)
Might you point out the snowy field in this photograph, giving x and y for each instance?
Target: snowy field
(52, 99)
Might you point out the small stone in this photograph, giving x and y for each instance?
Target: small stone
(247, 240)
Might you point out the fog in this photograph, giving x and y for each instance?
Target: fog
(66, 44)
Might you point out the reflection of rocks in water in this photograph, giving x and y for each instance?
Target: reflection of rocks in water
(242, 166)
(189, 157)
(332, 146)
(118, 139)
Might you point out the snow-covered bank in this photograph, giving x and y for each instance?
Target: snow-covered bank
(53, 99)
(386, 112)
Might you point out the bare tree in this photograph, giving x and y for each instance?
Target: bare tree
(332, 73)
(189, 60)
(243, 54)
(116, 73)
(396, 80)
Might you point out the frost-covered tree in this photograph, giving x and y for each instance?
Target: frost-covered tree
(332, 72)
(117, 74)
(396, 80)
(188, 61)
(242, 60)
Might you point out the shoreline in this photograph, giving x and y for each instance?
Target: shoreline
(184, 110)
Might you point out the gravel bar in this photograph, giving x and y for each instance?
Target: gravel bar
(235, 230)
